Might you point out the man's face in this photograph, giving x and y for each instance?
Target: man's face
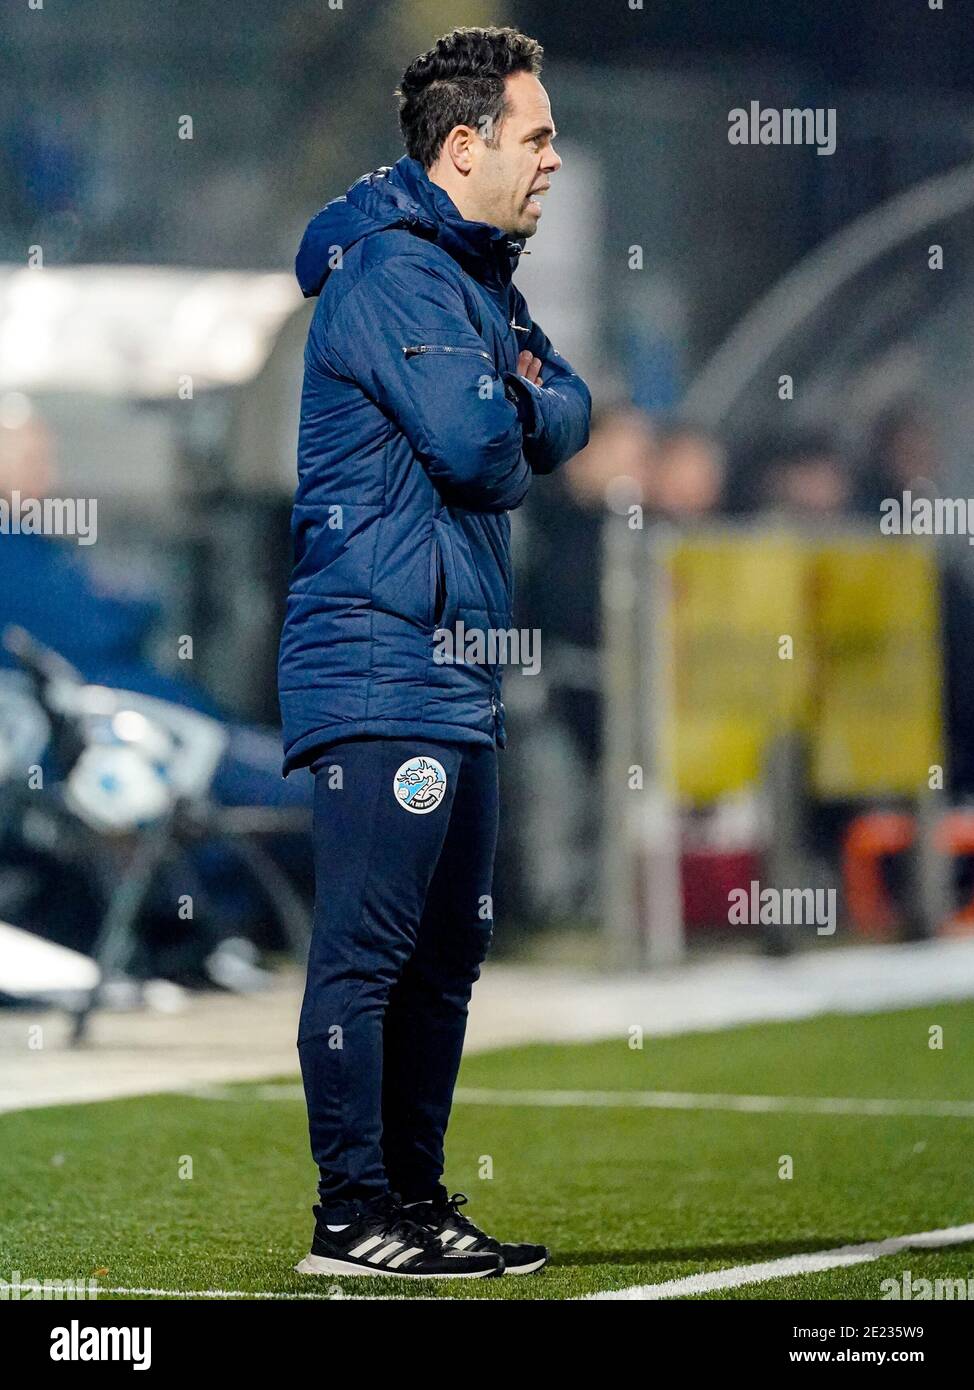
(509, 178)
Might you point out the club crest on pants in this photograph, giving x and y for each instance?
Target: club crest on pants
(419, 785)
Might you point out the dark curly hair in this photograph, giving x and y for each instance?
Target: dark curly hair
(460, 81)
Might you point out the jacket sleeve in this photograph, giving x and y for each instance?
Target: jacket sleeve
(404, 336)
(555, 416)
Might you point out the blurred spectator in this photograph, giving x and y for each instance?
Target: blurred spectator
(620, 456)
(547, 858)
(47, 586)
(615, 470)
(43, 169)
(902, 454)
(689, 475)
(800, 479)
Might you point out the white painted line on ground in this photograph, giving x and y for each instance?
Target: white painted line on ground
(791, 1265)
(225, 1293)
(285, 1090)
(643, 1100)
(149, 1054)
(788, 1267)
(208, 1293)
(692, 1100)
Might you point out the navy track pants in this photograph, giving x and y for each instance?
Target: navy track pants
(404, 837)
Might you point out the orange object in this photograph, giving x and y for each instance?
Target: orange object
(876, 834)
(955, 837)
(868, 840)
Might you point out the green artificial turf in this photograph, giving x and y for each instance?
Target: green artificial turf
(623, 1196)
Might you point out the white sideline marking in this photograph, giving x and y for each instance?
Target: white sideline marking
(257, 1293)
(645, 1100)
(791, 1265)
(245, 1091)
(692, 1100)
(212, 1293)
(146, 1054)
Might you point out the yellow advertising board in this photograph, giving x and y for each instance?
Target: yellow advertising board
(877, 721)
(772, 632)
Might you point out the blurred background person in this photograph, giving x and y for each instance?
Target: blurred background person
(902, 454)
(547, 862)
(51, 587)
(799, 478)
(689, 475)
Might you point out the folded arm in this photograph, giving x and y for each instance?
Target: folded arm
(403, 334)
(555, 416)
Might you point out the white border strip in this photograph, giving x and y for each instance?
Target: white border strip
(790, 1266)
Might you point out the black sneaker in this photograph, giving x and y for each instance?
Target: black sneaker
(385, 1241)
(457, 1232)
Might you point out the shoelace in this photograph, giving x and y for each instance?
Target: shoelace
(451, 1207)
(398, 1224)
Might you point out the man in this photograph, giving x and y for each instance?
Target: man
(430, 399)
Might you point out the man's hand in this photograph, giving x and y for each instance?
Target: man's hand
(530, 367)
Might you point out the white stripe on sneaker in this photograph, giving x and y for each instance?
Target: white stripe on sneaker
(380, 1255)
(368, 1244)
(447, 1236)
(464, 1241)
(404, 1255)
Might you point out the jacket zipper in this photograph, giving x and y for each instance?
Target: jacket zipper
(434, 347)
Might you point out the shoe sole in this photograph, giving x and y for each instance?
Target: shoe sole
(527, 1269)
(323, 1264)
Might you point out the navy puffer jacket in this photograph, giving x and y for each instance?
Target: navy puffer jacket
(416, 439)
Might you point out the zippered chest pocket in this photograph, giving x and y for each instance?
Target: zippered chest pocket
(417, 349)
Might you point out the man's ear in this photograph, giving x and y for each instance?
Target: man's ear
(458, 148)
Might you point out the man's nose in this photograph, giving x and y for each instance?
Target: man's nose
(551, 162)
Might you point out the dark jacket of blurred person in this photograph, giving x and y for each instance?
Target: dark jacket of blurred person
(615, 471)
(49, 589)
(566, 526)
(48, 586)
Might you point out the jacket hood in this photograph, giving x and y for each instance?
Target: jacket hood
(402, 196)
